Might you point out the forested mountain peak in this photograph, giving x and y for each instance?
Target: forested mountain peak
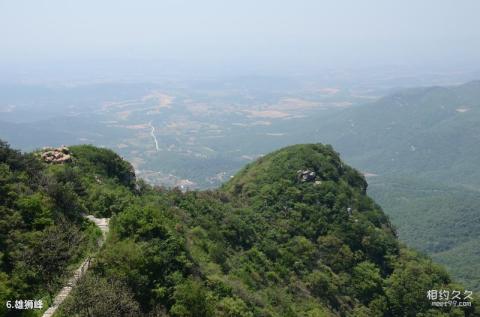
(286, 166)
(292, 234)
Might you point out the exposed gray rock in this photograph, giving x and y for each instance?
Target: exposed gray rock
(56, 155)
(306, 175)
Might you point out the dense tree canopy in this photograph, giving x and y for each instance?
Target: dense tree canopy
(267, 243)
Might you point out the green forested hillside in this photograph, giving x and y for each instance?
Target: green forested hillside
(42, 233)
(438, 219)
(424, 146)
(421, 147)
(426, 139)
(292, 234)
(431, 132)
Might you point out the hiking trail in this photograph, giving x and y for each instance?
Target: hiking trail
(102, 224)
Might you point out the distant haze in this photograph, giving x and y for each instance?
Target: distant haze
(269, 33)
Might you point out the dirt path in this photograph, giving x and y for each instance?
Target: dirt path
(101, 223)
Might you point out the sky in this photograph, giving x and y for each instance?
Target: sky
(279, 33)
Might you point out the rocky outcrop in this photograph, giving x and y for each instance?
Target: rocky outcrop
(306, 175)
(56, 155)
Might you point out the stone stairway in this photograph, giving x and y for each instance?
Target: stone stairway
(101, 223)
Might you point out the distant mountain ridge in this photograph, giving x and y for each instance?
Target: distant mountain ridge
(431, 132)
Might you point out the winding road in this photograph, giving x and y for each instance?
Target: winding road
(152, 133)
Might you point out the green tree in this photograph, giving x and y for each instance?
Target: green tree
(99, 297)
(366, 281)
(190, 299)
(232, 307)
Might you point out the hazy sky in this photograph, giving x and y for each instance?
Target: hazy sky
(278, 32)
